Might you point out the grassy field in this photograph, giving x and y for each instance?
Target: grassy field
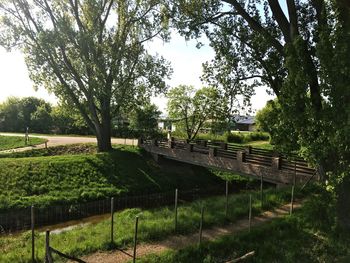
(155, 224)
(66, 178)
(307, 236)
(12, 142)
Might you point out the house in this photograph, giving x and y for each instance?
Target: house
(166, 124)
(246, 123)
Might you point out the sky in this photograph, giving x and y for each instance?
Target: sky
(185, 58)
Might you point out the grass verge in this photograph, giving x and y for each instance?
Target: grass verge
(154, 224)
(63, 179)
(307, 236)
(13, 142)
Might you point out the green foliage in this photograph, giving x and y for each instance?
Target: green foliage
(12, 142)
(154, 225)
(67, 120)
(235, 137)
(16, 114)
(192, 109)
(68, 178)
(238, 137)
(90, 54)
(144, 120)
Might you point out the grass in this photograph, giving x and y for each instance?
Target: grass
(307, 236)
(12, 142)
(257, 144)
(70, 178)
(154, 224)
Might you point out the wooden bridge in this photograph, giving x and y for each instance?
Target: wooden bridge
(249, 161)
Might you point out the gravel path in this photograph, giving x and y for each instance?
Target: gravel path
(180, 241)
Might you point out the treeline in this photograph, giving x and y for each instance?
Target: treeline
(40, 116)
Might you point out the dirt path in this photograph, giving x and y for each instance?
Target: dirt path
(180, 241)
(64, 140)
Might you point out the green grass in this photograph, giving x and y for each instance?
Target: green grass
(12, 142)
(68, 178)
(154, 224)
(257, 144)
(307, 236)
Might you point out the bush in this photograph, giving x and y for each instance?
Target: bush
(235, 137)
(256, 136)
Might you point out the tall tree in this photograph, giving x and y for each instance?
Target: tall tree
(144, 120)
(192, 109)
(89, 53)
(301, 51)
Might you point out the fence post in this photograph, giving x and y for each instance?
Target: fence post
(32, 225)
(261, 191)
(292, 201)
(48, 257)
(135, 239)
(250, 212)
(112, 219)
(226, 205)
(201, 225)
(176, 196)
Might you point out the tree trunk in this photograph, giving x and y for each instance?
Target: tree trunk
(103, 134)
(343, 204)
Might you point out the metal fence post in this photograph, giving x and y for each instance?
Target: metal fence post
(261, 191)
(292, 201)
(48, 257)
(112, 219)
(226, 204)
(176, 197)
(201, 225)
(32, 225)
(135, 239)
(250, 212)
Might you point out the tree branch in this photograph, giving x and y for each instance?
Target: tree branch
(256, 26)
(281, 19)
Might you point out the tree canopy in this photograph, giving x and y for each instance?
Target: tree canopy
(191, 109)
(90, 54)
(302, 53)
(16, 114)
(144, 120)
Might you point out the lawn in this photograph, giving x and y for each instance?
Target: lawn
(155, 224)
(12, 142)
(70, 178)
(307, 236)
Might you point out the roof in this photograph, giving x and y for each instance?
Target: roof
(246, 120)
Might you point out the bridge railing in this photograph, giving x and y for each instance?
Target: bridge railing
(252, 155)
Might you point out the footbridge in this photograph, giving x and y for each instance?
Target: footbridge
(257, 163)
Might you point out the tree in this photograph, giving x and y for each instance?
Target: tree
(270, 119)
(303, 57)
(18, 113)
(144, 120)
(68, 120)
(192, 109)
(90, 54)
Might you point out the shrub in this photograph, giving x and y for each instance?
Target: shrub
(235, 137)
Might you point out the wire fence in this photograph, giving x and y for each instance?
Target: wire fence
(20, 219)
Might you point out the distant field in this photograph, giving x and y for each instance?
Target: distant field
(12, 142)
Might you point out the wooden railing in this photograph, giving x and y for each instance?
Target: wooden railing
(252, 155)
